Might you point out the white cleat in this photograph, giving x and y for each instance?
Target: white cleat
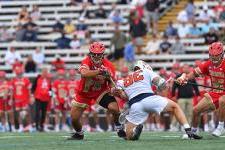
(218, 132)
(185, 137)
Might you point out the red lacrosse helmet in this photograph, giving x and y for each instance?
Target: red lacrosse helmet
(2, 74)
(97, 50)
(216, 52)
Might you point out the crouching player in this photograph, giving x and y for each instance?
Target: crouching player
(94, 70)
(141, 99)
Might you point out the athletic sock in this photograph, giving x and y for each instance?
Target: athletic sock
(194, 129)
(185, 126)
(220, 125)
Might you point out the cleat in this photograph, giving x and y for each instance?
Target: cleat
(76, 136)
(192, 135)
(137, 132)
(121, 133)
(218, 132)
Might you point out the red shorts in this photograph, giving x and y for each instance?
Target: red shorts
(84, 101)
(7, 107)
(196, 99)
(215, 98)
(21, 104)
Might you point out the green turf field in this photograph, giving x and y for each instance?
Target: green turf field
(107, 141)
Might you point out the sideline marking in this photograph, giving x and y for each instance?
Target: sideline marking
(14, 136)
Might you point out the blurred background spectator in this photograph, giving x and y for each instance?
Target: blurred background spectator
(35, 14)
(177, 47)
(30, 65)
(211, 36)
(11, 56)
(38, 57)
(152, 46)
(165, 46)
(23, 15)
(170, 30)
(58, 26)
(58, 63)
(100, 12)
(63, 42)
(75, 42)
(69, 27)
(152, 14)
(190, 9)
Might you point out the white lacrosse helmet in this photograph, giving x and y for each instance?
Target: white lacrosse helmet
(142, 65)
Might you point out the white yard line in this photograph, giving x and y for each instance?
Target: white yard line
(14, 136)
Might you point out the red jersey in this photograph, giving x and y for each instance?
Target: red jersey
(21, 89)
(42, 89)
(60, 88)
(5, 88)
(203, 81)
(71, 87)
(216, 74)
(93, 87)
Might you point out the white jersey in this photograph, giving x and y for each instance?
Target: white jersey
(137, 83)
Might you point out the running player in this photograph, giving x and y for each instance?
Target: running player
(214, 99)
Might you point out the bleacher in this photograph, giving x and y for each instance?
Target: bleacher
(101, 29)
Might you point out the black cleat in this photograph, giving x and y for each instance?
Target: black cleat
(192, 135)
(76, 136)
(121, 133)
(137, 132)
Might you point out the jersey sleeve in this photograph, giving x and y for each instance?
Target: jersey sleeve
(84, 64)
(151, 74)
(204, 67)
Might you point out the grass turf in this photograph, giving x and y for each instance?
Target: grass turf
(107, 141)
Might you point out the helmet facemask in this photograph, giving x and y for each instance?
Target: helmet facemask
(216, 59)
(97, 58)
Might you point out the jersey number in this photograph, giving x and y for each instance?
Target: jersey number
(135, 77)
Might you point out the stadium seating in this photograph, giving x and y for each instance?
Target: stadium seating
(101, 29)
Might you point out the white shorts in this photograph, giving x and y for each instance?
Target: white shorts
(139, 111)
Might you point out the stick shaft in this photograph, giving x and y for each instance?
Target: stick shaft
(205, 86)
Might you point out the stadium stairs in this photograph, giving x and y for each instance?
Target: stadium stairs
(171, 14)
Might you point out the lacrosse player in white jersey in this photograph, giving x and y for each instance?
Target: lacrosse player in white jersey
(136, 88)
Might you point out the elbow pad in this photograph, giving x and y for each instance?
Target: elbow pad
(161, 84)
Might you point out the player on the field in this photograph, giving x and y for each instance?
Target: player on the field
(94, 84)
(214, 99)
(42, 94)
(141, 99)
(5, 107)
(21, 87)
(203, 81)
(61, 98)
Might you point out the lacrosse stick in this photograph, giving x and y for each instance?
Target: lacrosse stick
(205, 86)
